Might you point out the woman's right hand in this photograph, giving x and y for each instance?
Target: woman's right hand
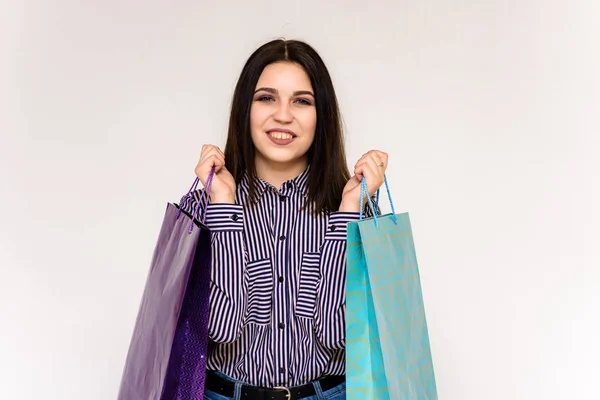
(222, 188)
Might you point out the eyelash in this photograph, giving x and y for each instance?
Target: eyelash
(303, 102)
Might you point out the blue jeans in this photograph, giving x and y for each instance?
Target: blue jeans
(336, 393)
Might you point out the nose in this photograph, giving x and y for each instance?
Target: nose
(283, 113)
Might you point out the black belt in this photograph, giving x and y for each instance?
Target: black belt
(226, 388)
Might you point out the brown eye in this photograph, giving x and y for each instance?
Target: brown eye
(304, 102)
(265, 98)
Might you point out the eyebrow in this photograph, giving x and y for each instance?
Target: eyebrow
(275, 91)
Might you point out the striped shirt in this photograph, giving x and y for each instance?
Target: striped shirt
(277, 299)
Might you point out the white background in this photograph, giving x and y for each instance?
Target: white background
(489, 111)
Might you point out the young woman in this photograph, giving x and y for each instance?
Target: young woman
(280, 200)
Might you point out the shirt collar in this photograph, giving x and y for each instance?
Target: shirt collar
(298, 184)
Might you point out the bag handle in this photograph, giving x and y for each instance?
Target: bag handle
(365, 192)
(206, 192)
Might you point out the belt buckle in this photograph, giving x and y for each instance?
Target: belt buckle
(288, 394)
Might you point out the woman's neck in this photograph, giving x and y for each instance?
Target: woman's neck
(276, 173)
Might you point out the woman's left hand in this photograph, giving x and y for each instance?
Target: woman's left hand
(372, 166)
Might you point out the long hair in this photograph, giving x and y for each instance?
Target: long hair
(327, 157)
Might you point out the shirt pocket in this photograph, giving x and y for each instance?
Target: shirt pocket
(260, 291)
(310, 275)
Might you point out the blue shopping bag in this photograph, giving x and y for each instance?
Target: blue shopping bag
(388, 355)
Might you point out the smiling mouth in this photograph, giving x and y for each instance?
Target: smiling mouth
(281, 138)
(281, 135)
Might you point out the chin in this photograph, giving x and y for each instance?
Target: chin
(282, 157)
(284, 160)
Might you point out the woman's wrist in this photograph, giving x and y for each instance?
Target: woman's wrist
(347, 206)
(222, 199)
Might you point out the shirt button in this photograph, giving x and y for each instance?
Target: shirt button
(234, 217)
(281, 325)
(281, 279)
(281, 370)
(332, 228)
(282, 197)
(281, 237)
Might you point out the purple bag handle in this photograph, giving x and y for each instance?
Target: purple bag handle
(206, 192)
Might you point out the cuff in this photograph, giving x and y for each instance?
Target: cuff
(221, 217)
(337, 226)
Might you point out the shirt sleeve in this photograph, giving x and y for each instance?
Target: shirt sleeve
(330, 311)
(228, 287)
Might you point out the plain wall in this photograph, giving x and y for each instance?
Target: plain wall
(489, 111)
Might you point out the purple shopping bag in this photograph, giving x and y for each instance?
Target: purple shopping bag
(168, 350)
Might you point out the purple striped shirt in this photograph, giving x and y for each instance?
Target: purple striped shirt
(277, 286)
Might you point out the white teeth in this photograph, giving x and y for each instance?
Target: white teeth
(281, 135)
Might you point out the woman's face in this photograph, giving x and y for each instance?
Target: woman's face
(283, 116)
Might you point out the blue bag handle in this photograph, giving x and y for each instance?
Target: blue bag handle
(365, 192)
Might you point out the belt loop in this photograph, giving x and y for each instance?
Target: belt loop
(320, 395)
(237, 390)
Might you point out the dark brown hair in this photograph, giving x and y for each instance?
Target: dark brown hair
(327, 157)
